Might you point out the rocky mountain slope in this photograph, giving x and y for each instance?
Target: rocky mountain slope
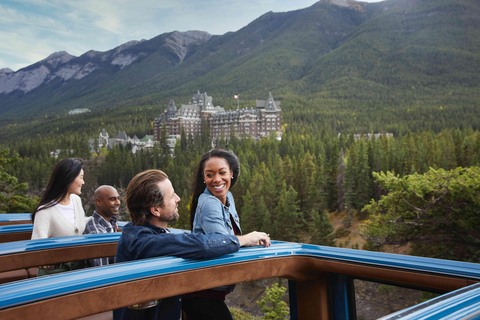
(60, 70)
(338, 49)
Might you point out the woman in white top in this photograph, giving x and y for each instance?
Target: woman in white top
(60, 212)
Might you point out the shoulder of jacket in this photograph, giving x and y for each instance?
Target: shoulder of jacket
(75, 197)
(208, 198)
(47, 211)
(44, 214)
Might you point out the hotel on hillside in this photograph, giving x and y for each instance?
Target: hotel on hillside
(257, 122)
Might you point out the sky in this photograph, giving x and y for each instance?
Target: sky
(31, 30)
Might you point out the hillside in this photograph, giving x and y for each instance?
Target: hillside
(423, 44)
(356, 65)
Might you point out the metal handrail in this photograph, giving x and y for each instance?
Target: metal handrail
(304, 263)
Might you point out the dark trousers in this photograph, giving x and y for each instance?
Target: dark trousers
(200, 308)
(167, 309)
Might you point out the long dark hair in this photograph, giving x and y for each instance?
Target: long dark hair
(198, 183)
(64, 173)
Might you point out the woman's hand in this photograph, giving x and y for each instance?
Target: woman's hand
(254, 238)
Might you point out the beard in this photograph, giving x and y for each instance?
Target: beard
(170, 217)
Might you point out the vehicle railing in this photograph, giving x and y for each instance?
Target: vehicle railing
(318, 276)
(15, 232)
(14, 218)
(32, 253)
(19, 232)
(461, 304)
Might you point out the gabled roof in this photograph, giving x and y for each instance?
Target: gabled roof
(203, 100)
(171, 107)
(122, 136)
(146, 138)
(270, 104)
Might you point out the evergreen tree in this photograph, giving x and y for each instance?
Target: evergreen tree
(183, 141)
(304, 182)
(320, 229)
(248, 221)
(12, 193)
(183, 221)
(349, 187)
(340, 184)
(272, 305)
(263, 213)
(288, 218)
(363, 176)
(333, 156)
(438, 207)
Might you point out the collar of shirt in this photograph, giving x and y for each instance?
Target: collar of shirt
(101, 221)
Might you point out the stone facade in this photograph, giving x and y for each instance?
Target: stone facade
(256, 122)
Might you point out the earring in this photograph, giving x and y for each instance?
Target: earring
(232, 177)
(203, 181)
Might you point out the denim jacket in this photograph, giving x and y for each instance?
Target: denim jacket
(140, 242)
(212, 216)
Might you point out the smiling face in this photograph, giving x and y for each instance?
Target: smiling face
(107, 202)
(218, 177)
(76, 186)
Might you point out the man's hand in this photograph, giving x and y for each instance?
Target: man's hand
(254, 239)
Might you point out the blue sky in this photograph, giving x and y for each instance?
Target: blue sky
(31, 30)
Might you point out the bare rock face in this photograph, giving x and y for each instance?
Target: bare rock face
(348, 3)
(5, 71)
(121, 58)
(124, 60)
(31, 77)
(23, 80)
(66, 67)
(76, 71)
(342, 3)
(57, 58)
(179, 41)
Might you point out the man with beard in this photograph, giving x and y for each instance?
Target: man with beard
(152, 204)
(104, 218)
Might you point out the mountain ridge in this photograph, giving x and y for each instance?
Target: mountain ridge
(399, 52)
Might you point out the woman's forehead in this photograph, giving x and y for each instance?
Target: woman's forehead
(216, 163)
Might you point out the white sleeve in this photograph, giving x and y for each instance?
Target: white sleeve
(41, 226)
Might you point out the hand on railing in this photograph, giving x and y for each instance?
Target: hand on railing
(254, 238)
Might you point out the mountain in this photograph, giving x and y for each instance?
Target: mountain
(283, 43)
(346, 56)
(410, 43)
(62, 77)
(5, 71)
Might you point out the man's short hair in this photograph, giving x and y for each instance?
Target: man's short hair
(143, 193)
